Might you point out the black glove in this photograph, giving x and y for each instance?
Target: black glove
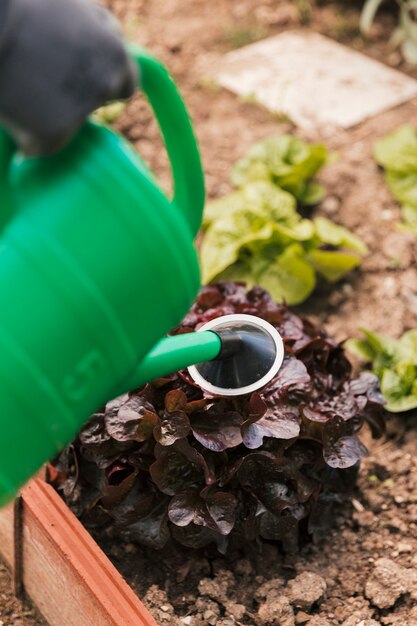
(59, 60)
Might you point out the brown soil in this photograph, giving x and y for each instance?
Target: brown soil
(189, 36)
(12, 611)
(342, 580)
(351, 586)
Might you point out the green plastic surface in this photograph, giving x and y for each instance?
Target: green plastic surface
(175, 353)
(96, 266)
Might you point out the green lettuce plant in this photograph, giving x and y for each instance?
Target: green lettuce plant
(286, 161)
(397, 154)
(255, 234)
(395, 364)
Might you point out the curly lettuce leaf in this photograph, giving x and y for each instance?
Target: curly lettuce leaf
(397, 151)
(290, 277)
(333, 265)
(395, 364)
(335, 235)
(288, 162)
(409, 214)
(256, 235)
(397, 154)
(254, 219)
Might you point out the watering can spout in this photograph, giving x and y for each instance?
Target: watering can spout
(175, 353)
(230, 355)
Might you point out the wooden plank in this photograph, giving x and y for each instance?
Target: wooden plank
(65, 573)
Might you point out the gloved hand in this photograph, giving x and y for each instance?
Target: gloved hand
(59, 60)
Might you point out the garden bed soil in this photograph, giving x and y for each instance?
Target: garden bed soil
(365, 569)
(13, 612)
(379, 521)
(340, 580)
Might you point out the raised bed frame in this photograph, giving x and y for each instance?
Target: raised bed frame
(59, 566)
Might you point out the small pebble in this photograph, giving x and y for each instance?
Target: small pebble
(210, 617)
(358, 506)
(330, 205)
(212, 588)
(364, 518)
(388, 582)
(130, 548)
(319, 621)
(115, 550)
(277, 611)
(235, 610)
(387, 214)
(306, 589)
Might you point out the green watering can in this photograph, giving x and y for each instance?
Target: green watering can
(96, 265)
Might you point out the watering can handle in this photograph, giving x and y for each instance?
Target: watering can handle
(178, 135)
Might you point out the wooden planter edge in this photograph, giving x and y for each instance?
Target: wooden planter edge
(60, 567)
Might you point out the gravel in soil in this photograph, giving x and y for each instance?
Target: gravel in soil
(363, 573)
(12, 611)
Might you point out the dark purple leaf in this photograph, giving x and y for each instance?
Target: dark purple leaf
(367, 384)
(195, 405)
(292, 328)
(183, 507)
(175, 400)
(94, 432)
(172, 426)
(133, 421)
(97, 446)
(152, 530)
(213, 510)
(172, 475)
(344, 405)
(270, 480)
(257, 405)
(208, 298)
(136, 503)
(191, 455)
(282, 422)
(114, 405)
(278, 527)
(221, 507)
(292, 379)
(114, 494)
(344, 453)
(179, 467)
(193, 536)
(229, 471)
(217, 432)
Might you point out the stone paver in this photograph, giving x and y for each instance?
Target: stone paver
(314, 80)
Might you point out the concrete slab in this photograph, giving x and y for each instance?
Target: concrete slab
(314, 80)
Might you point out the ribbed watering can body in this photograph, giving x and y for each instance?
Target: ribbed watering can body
(96, 265)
